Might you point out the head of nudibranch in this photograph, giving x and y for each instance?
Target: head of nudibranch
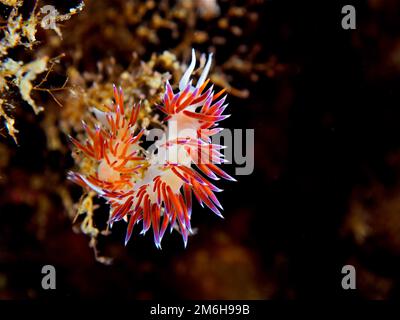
(156, 188)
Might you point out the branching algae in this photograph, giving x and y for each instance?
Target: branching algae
(17, 75)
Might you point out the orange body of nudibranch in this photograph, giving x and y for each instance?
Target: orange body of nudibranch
(157, 187)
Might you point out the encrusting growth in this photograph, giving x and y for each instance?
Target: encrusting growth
(155, 186)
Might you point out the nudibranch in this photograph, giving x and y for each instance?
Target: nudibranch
(156, 187)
